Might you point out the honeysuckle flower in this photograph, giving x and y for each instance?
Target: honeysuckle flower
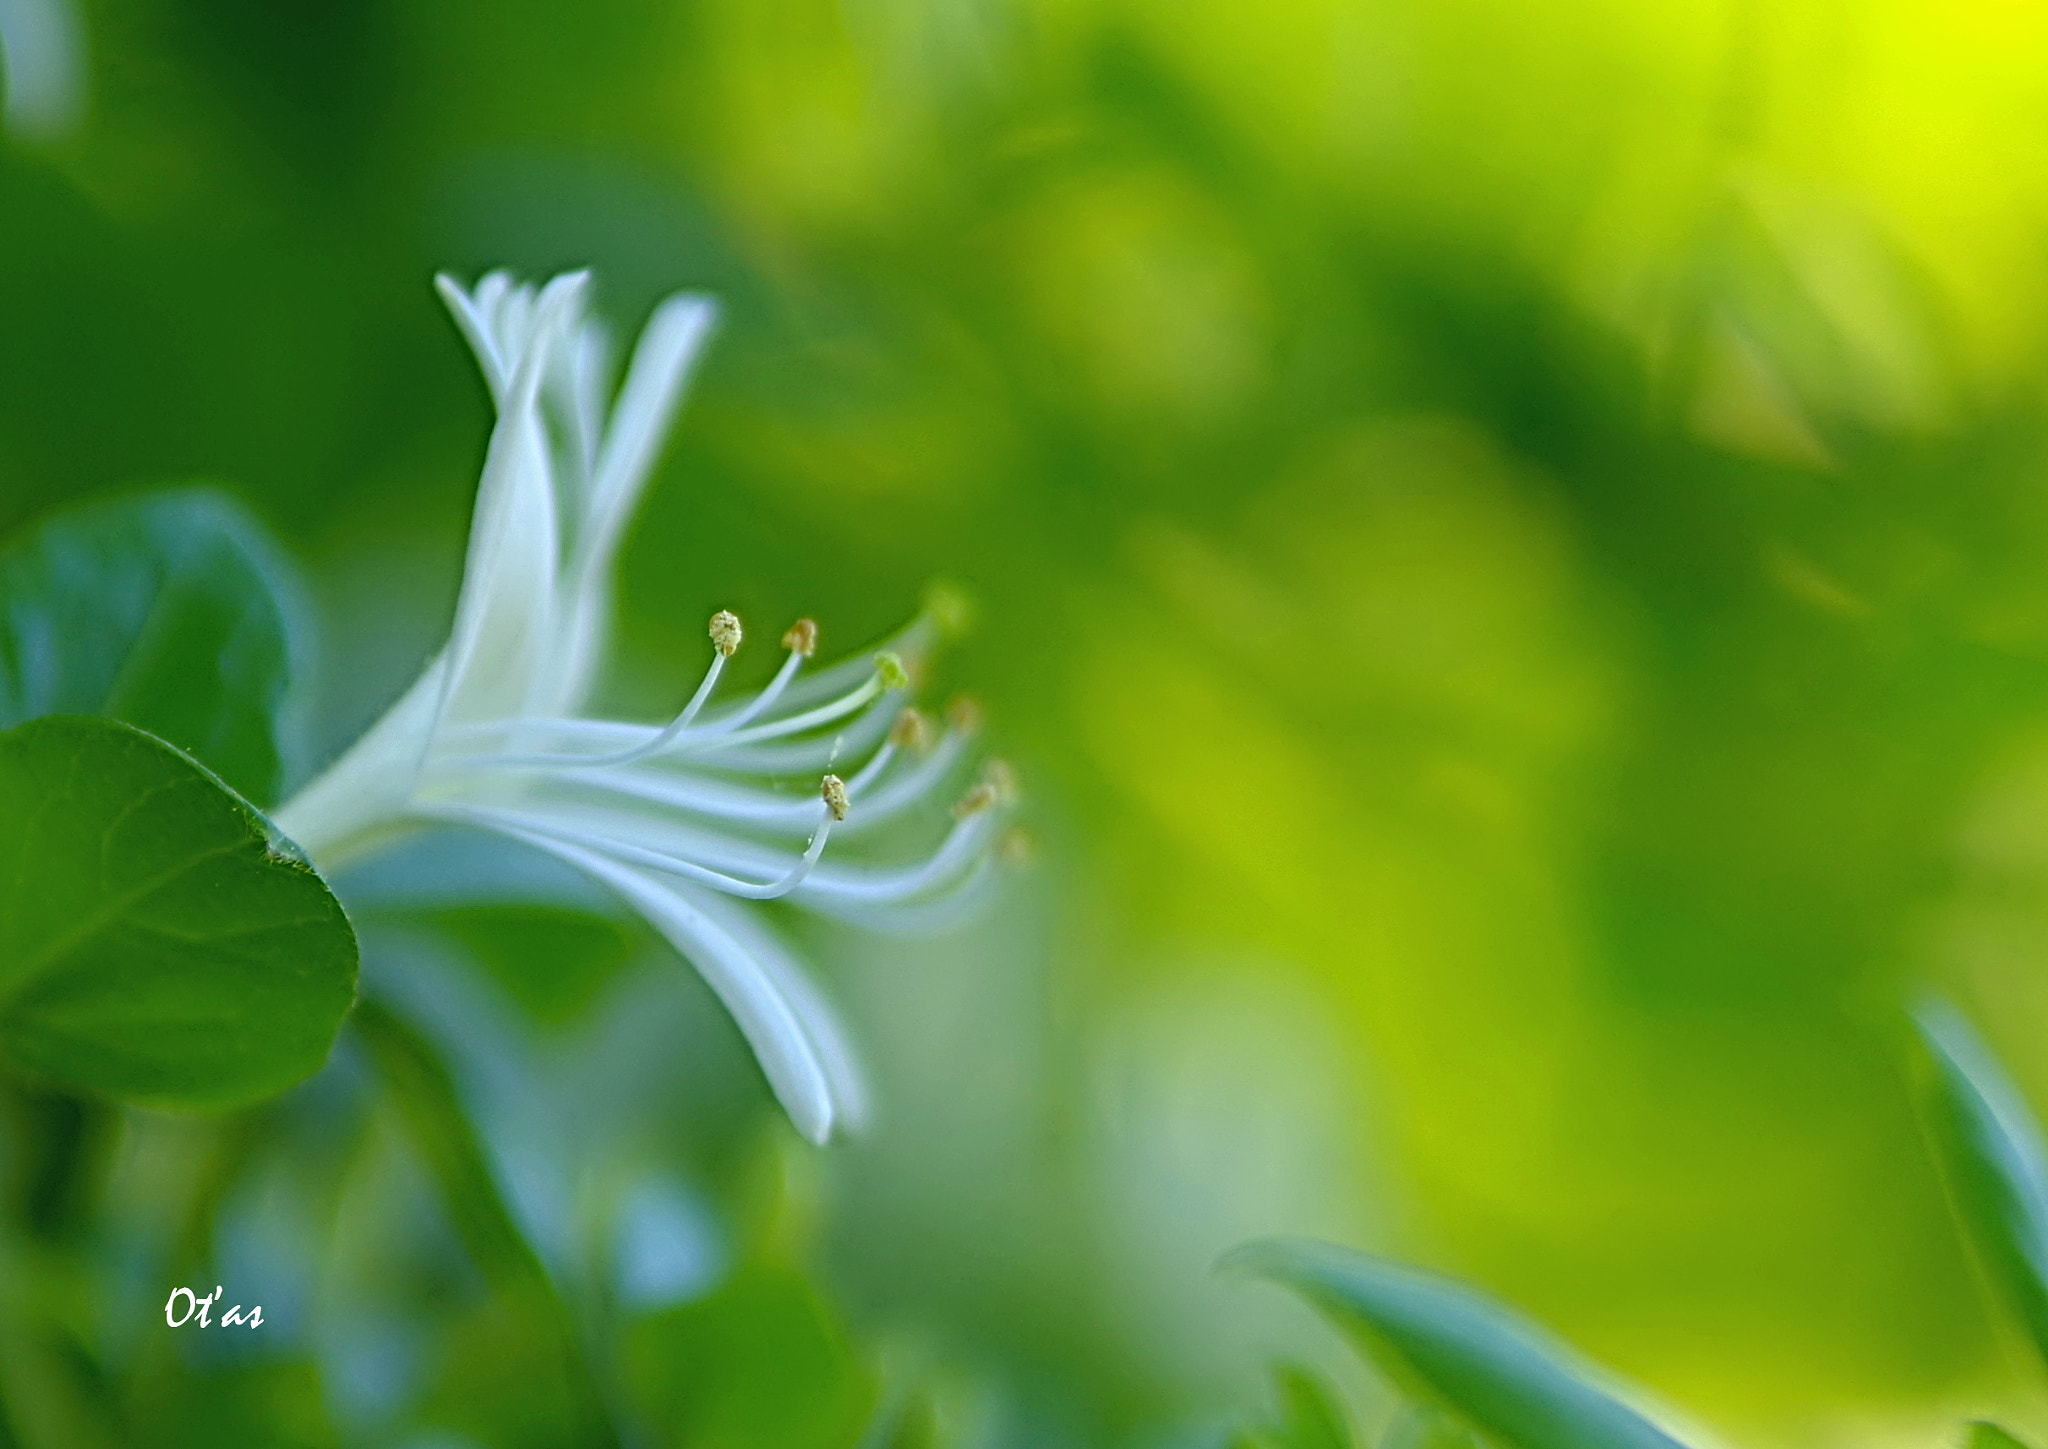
(686, 821)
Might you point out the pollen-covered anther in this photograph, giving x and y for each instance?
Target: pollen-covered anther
(1001, 777)
(963, 713)
(833, 789)
(890, 667)
(911, 731)
(979, 797)
(725, 632)
(802, 638)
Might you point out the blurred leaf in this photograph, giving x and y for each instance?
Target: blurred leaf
(910, 1423)
(424, 1093)
(1312, 1417)
(505, 1380)
(1445, 1342)
(159, 942)
(54, 1395)
(514, 1365)
(1985, 1435)
(1421, 1427)
(1990, 1148)
(759, 1364)
(166, 610)
(552, 961)
(277, 1404)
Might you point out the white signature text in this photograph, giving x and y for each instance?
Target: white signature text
(201, 1307)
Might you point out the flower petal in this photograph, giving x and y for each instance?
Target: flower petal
(668, 347)
(478, 327)
(756, 994)
(631, 442)
(505, 620)
(821, 1023)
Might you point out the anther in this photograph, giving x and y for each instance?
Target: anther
(979, 797)
(1001, 777)
(911, 731)
(802, 638)
(963, 713)
(725, 632)
(890, 667)
(833, 789)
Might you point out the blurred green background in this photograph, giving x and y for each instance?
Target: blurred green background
(1511, 549)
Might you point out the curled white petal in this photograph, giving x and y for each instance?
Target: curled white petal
(755, 994)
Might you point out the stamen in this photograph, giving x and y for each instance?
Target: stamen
(761, 701)
(538, 830)
(963, 712)
(688, 792)
(889, 665)
(911, 731)
(873, 768)
(834, 791)
(1017, 848)
(911, 786)
(661, 741)
(979, 797)
(797, 723)
(726, 633)
(961, 901)
(802, 637)
(962, 845)
(996, 789)
(1001, 777)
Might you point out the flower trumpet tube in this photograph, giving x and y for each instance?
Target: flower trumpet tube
(688, 820)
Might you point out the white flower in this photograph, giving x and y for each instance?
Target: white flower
(681, 820)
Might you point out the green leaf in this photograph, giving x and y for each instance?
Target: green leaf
(1446, 1343)
(553, 962)
(1421, 1427)
(1312, 1418)
(1986, 1435)
(759, 1364)
(159, 941)
(514, 1370)
(1990, 1150)
(165, 610)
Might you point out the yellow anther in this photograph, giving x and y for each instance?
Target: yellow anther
(725, 632)
(979, 797)
(802, 637)
(1001, 777)
(890, 667)
(911, 731)
(833, 789)
(963, 713)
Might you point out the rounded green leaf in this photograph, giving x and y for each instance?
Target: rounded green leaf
(1446, 1343)
(159, 941)
(162, 609)
(1990, 1150)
